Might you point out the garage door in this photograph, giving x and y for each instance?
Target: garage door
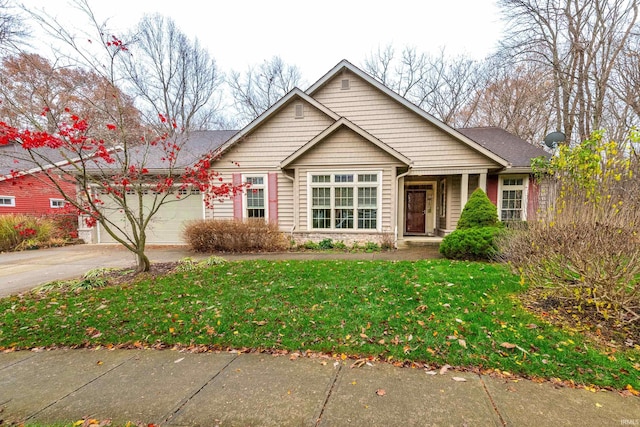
(167, 224)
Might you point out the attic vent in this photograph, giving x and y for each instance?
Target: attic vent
(299, 111)
(345, 84)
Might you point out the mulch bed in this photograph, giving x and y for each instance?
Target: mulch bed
(563, 312)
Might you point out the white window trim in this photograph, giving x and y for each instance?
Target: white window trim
(525, 192)
(52, 201)
(355, 185)
(265, 186)
(12, 202)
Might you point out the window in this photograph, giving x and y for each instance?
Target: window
(344, 201)
(187, 191)
(513, 201)
(7, 201)
(56, 203)
(255, 197)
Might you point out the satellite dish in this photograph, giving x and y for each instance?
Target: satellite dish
(554, 138)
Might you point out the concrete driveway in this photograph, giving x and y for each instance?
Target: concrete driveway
(22, 271)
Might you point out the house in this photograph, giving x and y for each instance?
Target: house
(351, 160)
(30, 193)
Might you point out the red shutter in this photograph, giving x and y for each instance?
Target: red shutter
(533, 198)
(237, 197)
(273, 196)
(492, 189)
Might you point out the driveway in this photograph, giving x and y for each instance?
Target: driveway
(21, 271)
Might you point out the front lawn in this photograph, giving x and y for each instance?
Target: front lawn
(433, 311)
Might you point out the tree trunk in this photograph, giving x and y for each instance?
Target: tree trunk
(143, 263)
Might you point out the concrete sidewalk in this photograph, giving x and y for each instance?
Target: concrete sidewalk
(170, 388)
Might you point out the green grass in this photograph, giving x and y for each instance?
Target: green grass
(432, 311)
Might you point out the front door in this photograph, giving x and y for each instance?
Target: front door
(416, 211)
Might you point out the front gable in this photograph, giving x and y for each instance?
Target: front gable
(429, 143)
(280, 131)
(344, 143)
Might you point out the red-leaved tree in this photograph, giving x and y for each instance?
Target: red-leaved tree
(121, 167)
(135, 180)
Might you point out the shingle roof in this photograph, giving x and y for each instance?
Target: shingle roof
(195, 145)
(506, 145)
(198, 143)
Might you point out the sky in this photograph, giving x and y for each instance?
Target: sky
(314, 36)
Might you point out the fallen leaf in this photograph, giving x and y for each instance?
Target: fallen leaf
(462, 343)
(532, 326)
(178, 360)
(353, 382)
(598, 405)
(430, 372)
(508, 345)
(260, 322)
(632, 390)
(99, 362)
(380, 392)
(358, 363)
(459, 379)
(444, 369)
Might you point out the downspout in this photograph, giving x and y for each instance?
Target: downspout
(295, 215)
(395, 205)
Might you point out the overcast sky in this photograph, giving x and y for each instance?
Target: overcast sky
(315, 36)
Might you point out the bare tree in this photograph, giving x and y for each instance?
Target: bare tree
(516, 99)
(442, 85)
(260, 87)
(403, 74)
(579, 42)
(35, 93)
(172, 76)
(625, 102)
(11, 26)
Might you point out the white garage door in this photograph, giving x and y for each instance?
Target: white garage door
(167, 225)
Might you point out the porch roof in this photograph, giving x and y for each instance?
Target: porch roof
(506, 145)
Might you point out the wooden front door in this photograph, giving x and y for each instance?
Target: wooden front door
(416, 205)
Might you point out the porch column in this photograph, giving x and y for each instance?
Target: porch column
(464, 189)
(482, 182)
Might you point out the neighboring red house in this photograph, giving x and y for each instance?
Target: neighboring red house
(30, 193)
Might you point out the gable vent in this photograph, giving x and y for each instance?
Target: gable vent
(299, 111)
(345, 84)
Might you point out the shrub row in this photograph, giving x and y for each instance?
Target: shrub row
(234, 236)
